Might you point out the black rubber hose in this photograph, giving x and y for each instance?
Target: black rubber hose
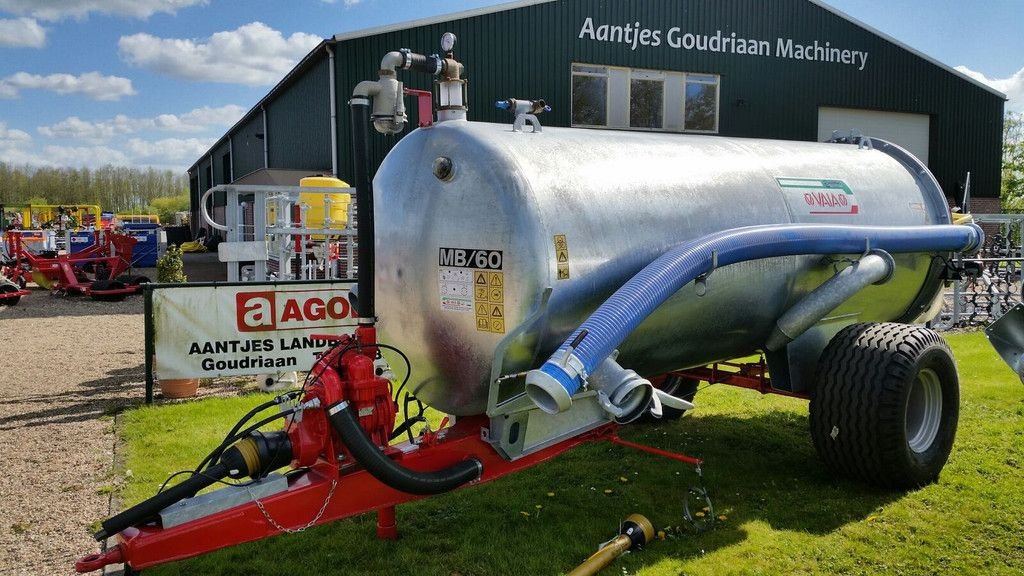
(428, 64)
(151, 507)
(387, 470)
(364, 207)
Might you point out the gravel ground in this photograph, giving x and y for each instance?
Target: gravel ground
(67, 365)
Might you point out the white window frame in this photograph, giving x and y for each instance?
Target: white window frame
(618, 93)
(717, 83)
(607, 90)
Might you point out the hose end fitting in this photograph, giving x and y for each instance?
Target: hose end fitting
(548, 388)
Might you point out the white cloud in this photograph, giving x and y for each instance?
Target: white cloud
(195, 121)
(254, 54)
(1013, 86)
(22, 33)
(91, 84)
(79, 156)
(12, 136)
(347, 3)
(58, 9)
(178, 152)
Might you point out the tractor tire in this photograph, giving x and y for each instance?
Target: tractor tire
(678, 386)
(9, 289)
(886, 404)
(107, 285)
(133, 280)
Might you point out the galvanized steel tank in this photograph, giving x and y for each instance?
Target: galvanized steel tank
(597, 206)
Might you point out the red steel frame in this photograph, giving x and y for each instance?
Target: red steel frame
(329, 490)
(357, 492)
(749, 375)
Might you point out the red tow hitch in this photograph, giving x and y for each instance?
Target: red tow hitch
(98, 561)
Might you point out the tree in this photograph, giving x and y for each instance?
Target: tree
(1012, 192)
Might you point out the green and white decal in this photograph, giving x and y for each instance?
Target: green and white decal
(819, 196)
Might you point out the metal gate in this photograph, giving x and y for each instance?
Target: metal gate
(980, 300)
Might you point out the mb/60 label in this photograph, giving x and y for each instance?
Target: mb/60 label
(471, 281)
(470, 258)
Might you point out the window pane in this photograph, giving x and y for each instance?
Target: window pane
(646, 100)
(703, 78)
(589, 97)
(701, 104)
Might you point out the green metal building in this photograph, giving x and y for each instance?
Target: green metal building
(784, 69)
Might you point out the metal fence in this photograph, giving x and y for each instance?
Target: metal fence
(982, 299)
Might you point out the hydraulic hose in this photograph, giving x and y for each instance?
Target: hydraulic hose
(253, 456)
(151, 507)
(389, 472)
(552, 385)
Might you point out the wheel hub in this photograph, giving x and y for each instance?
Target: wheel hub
(924, 411)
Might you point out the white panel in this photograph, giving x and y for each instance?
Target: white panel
(618, 97)
(909, 131)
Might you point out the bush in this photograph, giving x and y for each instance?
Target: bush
(169, 268)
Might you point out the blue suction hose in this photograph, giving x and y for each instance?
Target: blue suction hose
(552, 385)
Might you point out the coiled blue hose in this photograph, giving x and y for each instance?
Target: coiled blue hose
(614, 320)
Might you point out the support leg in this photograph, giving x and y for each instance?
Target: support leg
(387, 527)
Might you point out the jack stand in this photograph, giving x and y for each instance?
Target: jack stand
(387, 526)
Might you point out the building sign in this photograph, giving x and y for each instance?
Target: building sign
(256, 328)
(635, 36)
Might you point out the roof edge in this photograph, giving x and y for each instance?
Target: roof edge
(263, 101)
(437, 19)
(914, 51)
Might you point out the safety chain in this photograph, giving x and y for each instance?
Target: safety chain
(701, 503)
(272, 522)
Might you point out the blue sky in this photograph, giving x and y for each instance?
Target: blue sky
(155, 82)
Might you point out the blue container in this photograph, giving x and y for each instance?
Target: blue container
(81, 240)
(147, 247)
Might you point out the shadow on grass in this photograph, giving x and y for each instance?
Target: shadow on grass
(758, 469)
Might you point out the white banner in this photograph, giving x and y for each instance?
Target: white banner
(255, 328)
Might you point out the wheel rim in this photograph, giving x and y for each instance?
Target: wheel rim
(924, 411)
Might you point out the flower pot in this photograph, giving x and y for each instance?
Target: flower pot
(179, 387)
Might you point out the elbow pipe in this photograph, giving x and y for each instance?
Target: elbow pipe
(874, 268)
(390, 472)
(552, 385)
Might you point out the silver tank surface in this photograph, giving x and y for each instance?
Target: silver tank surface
(462, 260)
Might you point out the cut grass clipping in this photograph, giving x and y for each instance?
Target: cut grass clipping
(781, 512)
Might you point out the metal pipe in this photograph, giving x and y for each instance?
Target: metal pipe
(334, 112)
(875, 268)
(266, 150)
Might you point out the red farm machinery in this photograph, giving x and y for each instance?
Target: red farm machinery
(101, 271)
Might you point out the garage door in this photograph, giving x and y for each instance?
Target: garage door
(909, 131)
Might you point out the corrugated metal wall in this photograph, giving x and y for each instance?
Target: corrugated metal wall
(528, 52)
(246, 147)
(299, 121)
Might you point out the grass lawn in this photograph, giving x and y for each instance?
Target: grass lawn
(783, 513)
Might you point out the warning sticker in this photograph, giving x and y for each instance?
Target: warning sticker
(489, 301)
(562, 256)
(819, 196)
(471, 280)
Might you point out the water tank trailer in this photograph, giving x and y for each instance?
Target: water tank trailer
(548, 285)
